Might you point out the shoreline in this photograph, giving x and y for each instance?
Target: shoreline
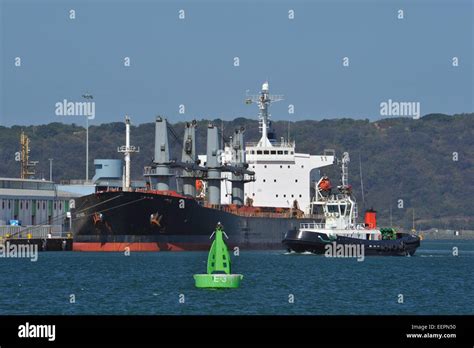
(436, 234)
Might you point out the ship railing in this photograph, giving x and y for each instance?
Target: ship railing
(76, 182)
(63, 234)
(152, 171)
(337, 197)
(275, 144)
(314, 225)
(250, 213)
(311, 226)
(334, 198)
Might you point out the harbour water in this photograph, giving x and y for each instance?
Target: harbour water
(431, 282)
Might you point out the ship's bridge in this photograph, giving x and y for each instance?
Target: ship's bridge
(281, 152)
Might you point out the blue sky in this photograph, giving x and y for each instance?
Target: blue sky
(191, 61)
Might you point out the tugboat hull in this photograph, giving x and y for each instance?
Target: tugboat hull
(318, 243)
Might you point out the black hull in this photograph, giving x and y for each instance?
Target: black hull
(317, 243)
(150, 221)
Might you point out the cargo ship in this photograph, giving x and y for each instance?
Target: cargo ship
(257, 191)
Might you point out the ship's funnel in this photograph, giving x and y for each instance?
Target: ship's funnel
(162, 155)
(189, 156)
(371, 219)
(238, 160)
(214, 165)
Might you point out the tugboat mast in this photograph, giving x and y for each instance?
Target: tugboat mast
(345, 170)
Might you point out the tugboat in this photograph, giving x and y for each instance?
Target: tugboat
(339, 228)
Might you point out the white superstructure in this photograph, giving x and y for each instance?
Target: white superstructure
(282, 176)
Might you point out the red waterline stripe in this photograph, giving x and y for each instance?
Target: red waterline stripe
(136, 246)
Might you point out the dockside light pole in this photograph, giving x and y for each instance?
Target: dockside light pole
(87, 149)
(50, 169)
(87, 96)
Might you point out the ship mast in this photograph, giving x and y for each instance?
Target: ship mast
(345, 170)
(264, 99)
(345, 188)
(127, 150)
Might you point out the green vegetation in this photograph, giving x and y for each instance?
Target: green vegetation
(402, 158)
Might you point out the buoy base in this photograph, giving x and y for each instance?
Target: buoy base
(218, 280)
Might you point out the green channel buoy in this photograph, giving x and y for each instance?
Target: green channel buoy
(218, 266)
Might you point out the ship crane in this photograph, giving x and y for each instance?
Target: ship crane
(189, 164)
(27, 166)
(238, 165)
(263, 100)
